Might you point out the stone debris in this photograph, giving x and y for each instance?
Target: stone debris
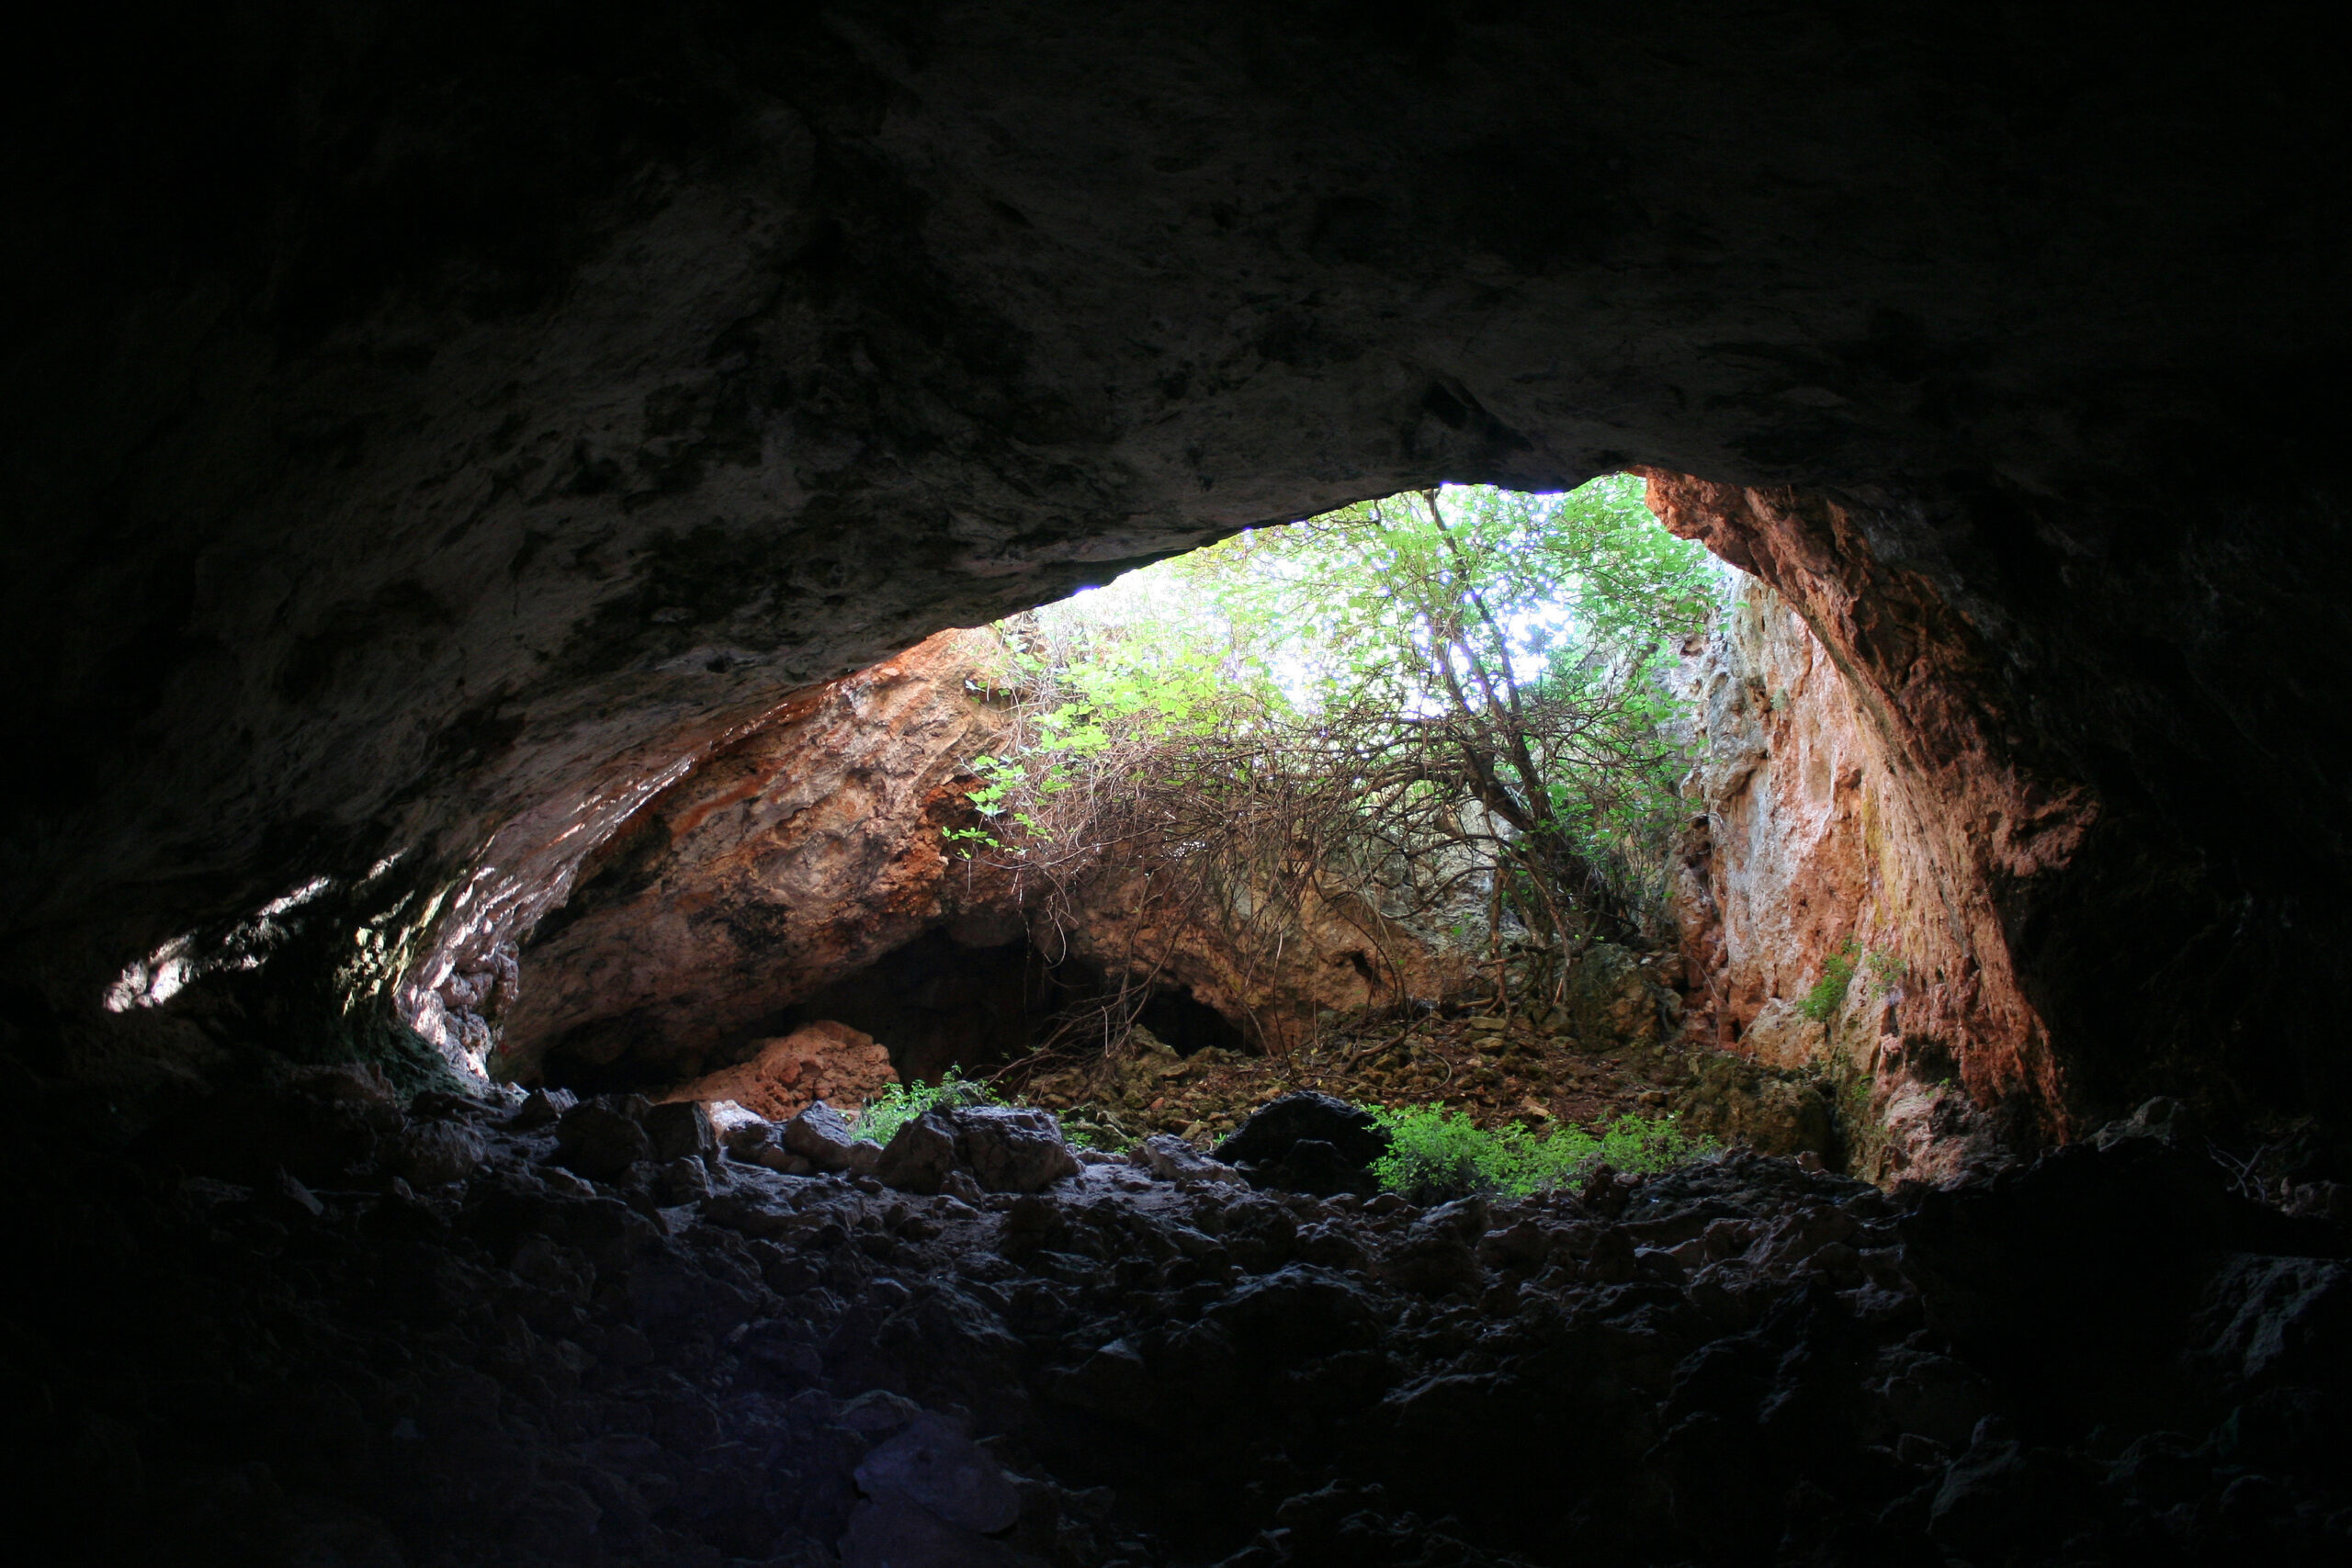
(823, 1060)
(701, 1360)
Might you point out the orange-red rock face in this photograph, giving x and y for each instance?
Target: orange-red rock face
(797, 856)
(1332, 951)
(827, 1061)
(806, 850)
(1859, 789)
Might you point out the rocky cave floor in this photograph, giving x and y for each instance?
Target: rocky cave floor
(306, 1323)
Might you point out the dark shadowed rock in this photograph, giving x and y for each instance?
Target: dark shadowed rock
(919, 1155)
(2273, 1318)
(320, 1126)
(680, 1130)
(1268, 1134)
(600, 1139)
(432, 1153)
(897, 1534)
(938, 1469)
(1298, 1310)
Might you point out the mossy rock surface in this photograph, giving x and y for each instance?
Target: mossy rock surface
(1774, 1110)
(1613, 999)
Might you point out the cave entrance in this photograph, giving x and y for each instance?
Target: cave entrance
(1286, 812)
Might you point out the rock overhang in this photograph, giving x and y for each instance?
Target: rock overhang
(404, 465)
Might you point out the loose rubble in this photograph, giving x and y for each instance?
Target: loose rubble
(1494, 1069)
(613, 1334)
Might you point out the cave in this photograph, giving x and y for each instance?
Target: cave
(465, 463)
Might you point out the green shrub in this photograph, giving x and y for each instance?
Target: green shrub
(902, 1102)
(1435, 1154)
(1828, 993)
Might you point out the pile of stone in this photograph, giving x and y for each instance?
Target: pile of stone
(452, 1331)
(965, 1149)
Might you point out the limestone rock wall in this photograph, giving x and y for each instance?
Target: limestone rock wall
(1334, 950)
(791, 859)
(808, 848)
(1811, 858)
(1860, 809)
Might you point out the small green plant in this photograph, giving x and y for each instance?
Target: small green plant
(1436, 1154)
(1828, 993)
(999, 779)
(902, 1102)
(1097, 1129)
(1886, 970)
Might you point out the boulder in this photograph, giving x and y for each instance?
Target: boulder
(947, 1475)
(1272, 1129)
(1012, 1150)
(1316, 1168)
(686, 1179)
(920, 1153)
(542, 1106)
(822, 1136)
(601, 1138)
(434, 1153)
(1775, 1111)
(680, 1130)
(1612, 999)
(740, 1133)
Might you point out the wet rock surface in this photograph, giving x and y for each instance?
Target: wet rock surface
(2104, 1357)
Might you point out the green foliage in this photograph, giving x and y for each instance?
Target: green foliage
(902, 1102)
(1000, 779)
(1471, 666)
(1828, 993)
(1436, 1154)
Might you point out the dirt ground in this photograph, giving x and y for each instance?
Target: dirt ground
(1494, 1070)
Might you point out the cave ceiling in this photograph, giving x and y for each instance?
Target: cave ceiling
(424, 418)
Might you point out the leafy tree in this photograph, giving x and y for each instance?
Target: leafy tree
(1494, 647)
(1436, 695)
